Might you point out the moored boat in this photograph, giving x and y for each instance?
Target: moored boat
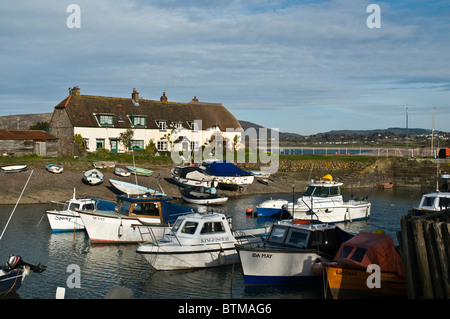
(133, 189)
(122, 172)
(93, 177)
(187, 176)
(432, 203)
(348, 275)
(323, 201)
(293, 253)
(140, 171)
(14, 273)
(54, 168)
(203, 196)
(13, 168)
(271, 208)
(228, 175)
(119, 226)
(197, 241)
(64, 217)
(104, 164)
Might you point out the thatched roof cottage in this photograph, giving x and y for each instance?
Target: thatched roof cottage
(100, 120)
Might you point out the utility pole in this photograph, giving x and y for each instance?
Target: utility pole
(407, 133)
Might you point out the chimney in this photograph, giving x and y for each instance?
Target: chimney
(194, 99)
(135, 97)
(75, 91)
(163, 97)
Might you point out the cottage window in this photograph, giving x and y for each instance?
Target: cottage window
(139, 121)
(105, 119)
(100, 143)
(86, 143)
(194, 146)
(178, 125)
(137, 144)
(161, 145)
(194, 126)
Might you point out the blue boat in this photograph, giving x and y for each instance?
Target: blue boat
(228, 175)
(271, 208)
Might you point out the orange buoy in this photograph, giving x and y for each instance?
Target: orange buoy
(249, 211)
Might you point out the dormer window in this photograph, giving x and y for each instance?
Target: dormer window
(139, 121)
(105, 119)
(193, 125)
(162, 125)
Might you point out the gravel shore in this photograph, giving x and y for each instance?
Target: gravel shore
(45, 186)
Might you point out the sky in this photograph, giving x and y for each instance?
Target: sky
(303, 67)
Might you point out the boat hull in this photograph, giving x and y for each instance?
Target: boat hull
(11, 281)
(351, 282)
(334, 214)
(110, 228)
(64, 221)
(132, 189)
(13, 168)
(174, 257)
(275, 267)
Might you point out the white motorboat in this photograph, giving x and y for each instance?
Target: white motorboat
(203, 196)
(432, 203)
(186, 176)
(13, 168)
(133, 189)
(293, 253)
(54, 168)
(323, 201)
(271, 208)
(93, 177)
(64, 217)
(197, 241)
(120, 226)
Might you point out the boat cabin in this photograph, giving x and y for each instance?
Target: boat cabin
(79, 204)
(142, 206)
(370, 248)
(434, 202)
(301, 234)
(202, 229)
(323, 189)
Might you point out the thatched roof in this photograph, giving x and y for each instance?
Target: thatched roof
(83, 111)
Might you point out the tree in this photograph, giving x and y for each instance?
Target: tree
(40, 126)
(126, 138)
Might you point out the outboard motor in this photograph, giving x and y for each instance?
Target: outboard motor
(15, 261)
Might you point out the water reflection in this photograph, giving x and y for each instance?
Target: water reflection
(103, 267)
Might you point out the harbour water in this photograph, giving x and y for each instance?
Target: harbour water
(104, 266)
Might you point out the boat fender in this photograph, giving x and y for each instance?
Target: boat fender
(222, 257)
(317, 267)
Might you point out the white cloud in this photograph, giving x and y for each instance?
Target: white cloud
(288, 58)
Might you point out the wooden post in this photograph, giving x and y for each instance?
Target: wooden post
(409, 258)
(422, 259)
(433, 259)
(441, 244)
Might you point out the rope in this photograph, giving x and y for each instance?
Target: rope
(16, 204)
(15, 280)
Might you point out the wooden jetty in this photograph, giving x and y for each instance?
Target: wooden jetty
(425, 248)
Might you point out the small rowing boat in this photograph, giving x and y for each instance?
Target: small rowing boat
(54, 168)
(13, 168)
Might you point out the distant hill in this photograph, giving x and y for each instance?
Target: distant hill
(393, 130)
(23, 121)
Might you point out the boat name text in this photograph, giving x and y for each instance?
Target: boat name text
(215, 239)
(257, 255)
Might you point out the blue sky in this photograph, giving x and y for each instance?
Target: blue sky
(300, 66)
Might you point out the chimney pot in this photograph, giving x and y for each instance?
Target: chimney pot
(163, 97)
(76, 91)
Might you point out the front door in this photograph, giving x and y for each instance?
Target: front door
(113, 146)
